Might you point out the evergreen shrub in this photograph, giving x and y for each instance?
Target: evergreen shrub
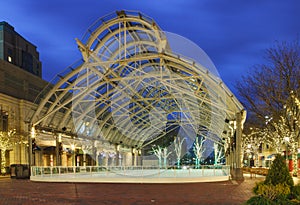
(273, 192)
(279, 173)
(259, 200)
(277, 188)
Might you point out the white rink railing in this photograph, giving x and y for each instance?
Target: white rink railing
(129, 171)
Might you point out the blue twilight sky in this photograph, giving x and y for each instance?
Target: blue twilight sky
(233, 33)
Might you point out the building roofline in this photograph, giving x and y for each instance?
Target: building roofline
(6, 24)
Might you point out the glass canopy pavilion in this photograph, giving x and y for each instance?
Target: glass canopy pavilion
(131, 95)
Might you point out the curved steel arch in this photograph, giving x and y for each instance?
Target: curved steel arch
(128, 53)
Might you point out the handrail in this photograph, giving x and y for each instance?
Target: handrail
(132, 171)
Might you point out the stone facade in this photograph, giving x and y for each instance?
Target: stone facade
(18, 90)
(18, 51)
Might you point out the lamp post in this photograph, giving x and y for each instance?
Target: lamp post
(287, 140)
(58, 150)
(249, 154)
(73, 154)
(32, 145)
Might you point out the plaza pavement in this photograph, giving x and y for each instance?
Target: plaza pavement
(23, 192)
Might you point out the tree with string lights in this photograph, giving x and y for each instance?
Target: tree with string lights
(271, 93)
(6, 143)
(178, 149)
(198, 149)
(157, 151)
(218, 153)
(165, 154)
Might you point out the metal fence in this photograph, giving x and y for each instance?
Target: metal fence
(130, 171)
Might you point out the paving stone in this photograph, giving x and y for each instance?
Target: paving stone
(22, 192)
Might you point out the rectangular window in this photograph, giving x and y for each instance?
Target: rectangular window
(9, 55)
(4, 122)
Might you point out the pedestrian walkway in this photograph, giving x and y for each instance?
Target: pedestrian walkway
(18, 191)
(4, 176)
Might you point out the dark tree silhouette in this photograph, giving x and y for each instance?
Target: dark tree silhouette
(265, 90)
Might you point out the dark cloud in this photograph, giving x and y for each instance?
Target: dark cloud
(233, 34)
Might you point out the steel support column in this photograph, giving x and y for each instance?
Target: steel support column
(237, 169)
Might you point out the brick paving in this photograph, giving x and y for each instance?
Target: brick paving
(23, 192)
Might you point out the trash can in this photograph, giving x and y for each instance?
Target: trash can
(22, 171)
(19, 171)
(13, 171)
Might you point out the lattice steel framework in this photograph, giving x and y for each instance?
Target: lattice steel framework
(130, 88)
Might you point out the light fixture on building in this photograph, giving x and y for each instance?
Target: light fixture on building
(32, 132)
